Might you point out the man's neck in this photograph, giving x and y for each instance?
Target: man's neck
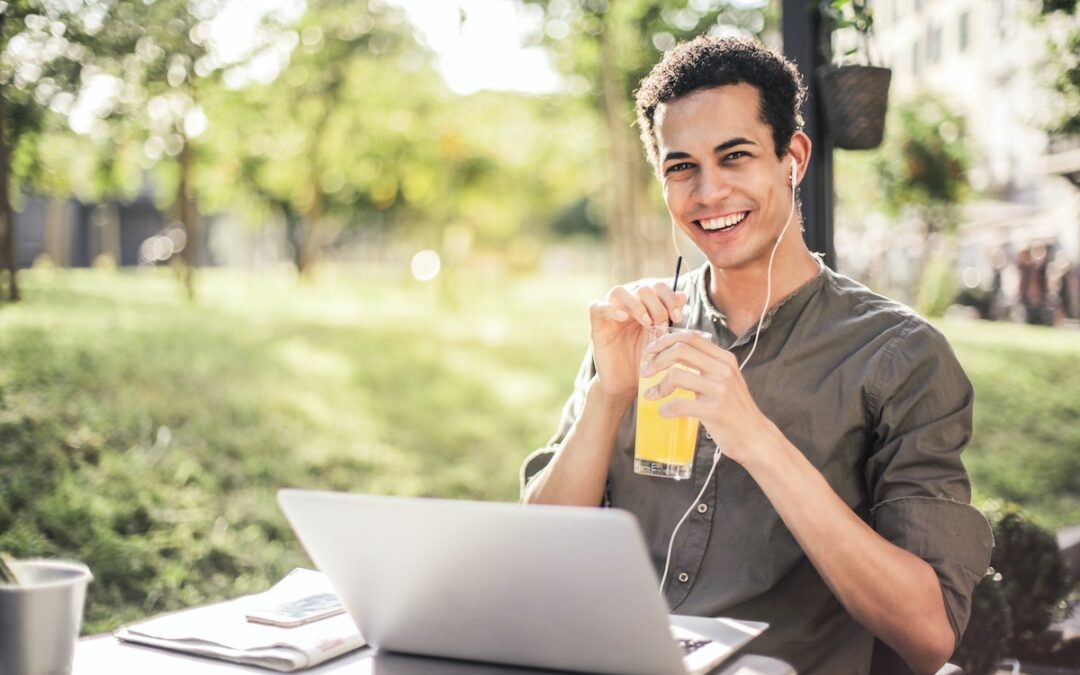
(740, 292)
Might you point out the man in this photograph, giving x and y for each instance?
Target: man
(839, 511)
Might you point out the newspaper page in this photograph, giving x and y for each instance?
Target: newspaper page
(222, 631)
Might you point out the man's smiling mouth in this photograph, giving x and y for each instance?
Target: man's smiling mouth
(722, 223)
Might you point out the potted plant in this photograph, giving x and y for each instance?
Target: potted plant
(854, 90)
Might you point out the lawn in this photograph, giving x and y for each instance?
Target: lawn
(147, 435)
(1026, 446)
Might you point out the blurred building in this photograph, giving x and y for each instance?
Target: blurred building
(74, 234)
(71, 233)
(987, 59)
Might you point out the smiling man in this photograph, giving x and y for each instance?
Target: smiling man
(839, 511)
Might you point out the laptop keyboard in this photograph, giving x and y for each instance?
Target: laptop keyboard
(691, 646)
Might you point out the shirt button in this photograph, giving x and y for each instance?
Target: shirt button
(684, 577)
(702, 507)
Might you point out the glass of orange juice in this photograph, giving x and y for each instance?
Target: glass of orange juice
(663, 446)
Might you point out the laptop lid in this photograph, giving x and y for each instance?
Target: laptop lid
(546, 586)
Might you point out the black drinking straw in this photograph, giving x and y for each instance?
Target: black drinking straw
(675, 284)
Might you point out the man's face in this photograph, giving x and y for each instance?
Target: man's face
(723, 184)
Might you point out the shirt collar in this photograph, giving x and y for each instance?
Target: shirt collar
(795, 298)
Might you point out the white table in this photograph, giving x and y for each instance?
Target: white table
(105, 655)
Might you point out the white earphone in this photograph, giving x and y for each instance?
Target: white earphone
(794, 174)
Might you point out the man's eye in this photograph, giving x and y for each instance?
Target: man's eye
(738, 154)
(681, 166)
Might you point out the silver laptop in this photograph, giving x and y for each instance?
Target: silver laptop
(543, 586)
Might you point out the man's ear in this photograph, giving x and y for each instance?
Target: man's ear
(800, 149)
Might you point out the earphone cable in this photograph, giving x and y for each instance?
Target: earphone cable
(757, 334)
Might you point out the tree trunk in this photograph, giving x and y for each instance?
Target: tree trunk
(639, 241)
(293, 235)
(308, 241)
(8, 258)
(4, 219)
(310, 235)
(626, 260)
(189, 218)
(111, 246)
(305, 253)
(58, 232)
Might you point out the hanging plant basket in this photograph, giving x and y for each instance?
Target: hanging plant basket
(855, 99)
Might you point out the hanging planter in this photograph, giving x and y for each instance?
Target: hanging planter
(855, 99)
(854, 96)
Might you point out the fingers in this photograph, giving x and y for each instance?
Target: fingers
(608, 311)
(671, 300)
(684, 407)
(620, 298)
(691, 370)
(689, 350)
(681, 378)
(648, 305)
(679, 353)
(697, 339)
(658, 311)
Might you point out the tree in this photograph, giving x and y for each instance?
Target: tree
(610, 47)
(924, 164)
(1062, 18)
(338, 135)
(97, 166)
(919, 174)
(43, 53)
(153, 63)
(360, 132)
(532, 159)
(161, 55)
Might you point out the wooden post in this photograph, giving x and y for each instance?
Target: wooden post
(801, 22)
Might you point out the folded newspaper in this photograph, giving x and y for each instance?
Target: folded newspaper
(222, 631)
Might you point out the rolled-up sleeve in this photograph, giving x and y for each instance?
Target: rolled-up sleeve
(922, 403)
(538, 459)
(953, 537)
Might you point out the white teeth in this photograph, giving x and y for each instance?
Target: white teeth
(723, 223)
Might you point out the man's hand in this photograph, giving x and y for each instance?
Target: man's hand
(577, 474)
(618, 326)
(723, 402)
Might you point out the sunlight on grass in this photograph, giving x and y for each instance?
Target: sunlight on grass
(1026, 445)
(308, 360)
(148, 435)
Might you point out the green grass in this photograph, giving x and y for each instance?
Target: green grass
(147, 435)
(1026, 446)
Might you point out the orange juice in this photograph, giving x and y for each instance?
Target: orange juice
(663, 446)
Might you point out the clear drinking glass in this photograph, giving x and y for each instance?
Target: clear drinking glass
(663, 446)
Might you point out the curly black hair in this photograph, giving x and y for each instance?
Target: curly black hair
(707, 62)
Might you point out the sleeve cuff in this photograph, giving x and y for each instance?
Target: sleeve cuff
(952, 537)
(536, 462)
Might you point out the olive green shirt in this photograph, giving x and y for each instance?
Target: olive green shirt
(874, 397)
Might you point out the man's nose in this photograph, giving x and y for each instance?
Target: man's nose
(712, 186)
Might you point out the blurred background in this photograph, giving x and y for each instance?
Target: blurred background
(349, 244)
